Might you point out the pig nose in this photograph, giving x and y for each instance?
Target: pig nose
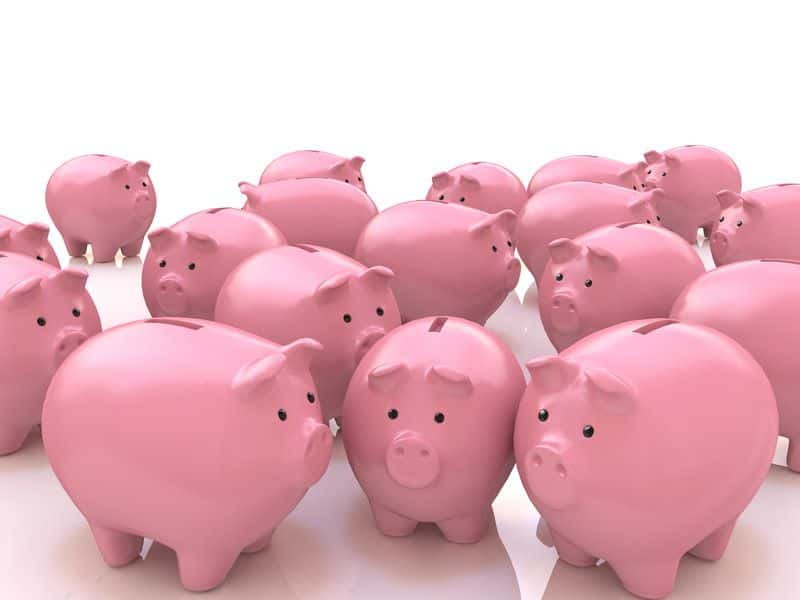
(317, 453)
(367, 340)
(719, 244)
(171, 297)
(411, 461)
(512, 274)
(564, 313)
(548, 479)
(143, 205)
(66, 341)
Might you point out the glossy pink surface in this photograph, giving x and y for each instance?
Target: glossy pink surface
(643, 442)
(104, 201)
(323, 212)
(586, 167)
(567, 210)
(30, 240)
(447, 259)
(292, 292)
(482, 185)
(188, 262)
(45, 314)
(610, 275)
(761, 223)
(755, 303)
(690, 177)
(429, 416)
(315, 163)
(207, 447)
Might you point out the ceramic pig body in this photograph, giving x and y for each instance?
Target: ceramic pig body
(29, 240)
(586, 167)
(690, 177)
(322, 212)
(232, 443)
(568, 210)
(482, 185)
(429, 417)
(755, 303)
(447, 259)
(310, 291)
(188, 262)
(45, 314)
(315, 163)
(610, 275)
(643, 442)
(104, 201)
(761, 223)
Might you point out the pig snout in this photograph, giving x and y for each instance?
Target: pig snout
(66, 341)
(512, 273)
(548, 478)
(411, 461)
(650, 183)
(143, 206)
(564, 313)
(719, 244)
(367, 340)
(317, 453)
(171, 296)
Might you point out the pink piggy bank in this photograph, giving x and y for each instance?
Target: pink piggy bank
(212, 424)
(755, 303)
(761, 223)
(30, 240)
(322, 212)
(292, 292)
(45, 314)
(610, 275)
(104, 201)
(586, 167)
(430, 414)
(643, 442)
(567, 210)
(188, 262)
(447, 259)
(690, 177)
(482, 185)
(314, 163)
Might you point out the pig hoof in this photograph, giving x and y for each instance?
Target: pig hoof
(259, 545)
(201, 572)
(118, 549)
(103, 254)
(648, 580)
(793, 455)
(570, 553)
(392, 524)
(133, 249)
(713, 546)
(74, 247)
(11, 440)
(467, 530)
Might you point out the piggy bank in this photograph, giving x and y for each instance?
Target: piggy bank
(761, 223)
(315, 163)
(30, 240)
(292, 292)
(643, 442)
(45, 314)
(567, 210)
(447, 259)
(586, 167)
(430, 415)
(482, 185)
(610, 275)
(188, 262)
(104, 201)
(321, 212)
(755, 303)
(213, 424)
(690, 177)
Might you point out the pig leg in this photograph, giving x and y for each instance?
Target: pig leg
(793, 454)
(713, 546)
(204, 569)
(103, 253)
(118, 549)
(543, 533)
(570, 553)
(12, 437)
(466, 530)
(707, 231)
(651, 579)
(74, 247)
(133, 249)
(259, 545)
(391, 524)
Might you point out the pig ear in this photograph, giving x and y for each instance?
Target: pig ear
(644, 200)
(5, 234)
(469, 182)
(356, 162)
(653, 156)
(385, 378)
(201, 241)
(631, 169)
(728, 198)
(252, 379)
(449, 380)
(505, 219)
(120, 171)
(300, 352)
(671, 160)
(563, 250)
(23, 292)
(71, 280)
(328, 288)
(250, 192)
(552, 373)
(141, 168)
(162, 238)
(752, 205)
(441, 180)
(34, 233)
(600, 256)
(610, 393)
(377, 277)
(338, 166)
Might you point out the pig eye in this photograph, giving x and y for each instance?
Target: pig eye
(359, 178)
(392, 414)
(76, 312)
(347, 318)
(461, 199)
(144, 184)
(282, 414)
(38, 257)
(559, 277)
(649, 222)
(41, 322)
(439, 417)
(494, 248)
(441, 197)
(162, 264)
(543, 415)
(739, 223)
(634, 187)
(347, 181)
(658, 217)
(127, 187)
(649, 171)
(588, 283)
(310, 397)
(722, 219)
(664, 174)
(192, 266)
(588, 431)
(510, 245)
(379, 311)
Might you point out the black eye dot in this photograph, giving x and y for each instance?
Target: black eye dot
(127, 187)
(664, 174)
(441, 197)
(41, 322)
(494, 248)
(347, 181)
(634, 187)
(359, 178)
(649, 222)
(144, 184)
(282, 414)
(739, 223)
(39, 257)
(543, 415)
(559, 277)
(76, 312)
(392, 414)
(649, 171)
(347, 318)
(588, 283)
(162, 264)
(311, 397)
(461, 199)
(721, 219)
(379, 311)
(509, 244)
(439, 417)
(192, 266)
(658, 218)
(588, 431)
